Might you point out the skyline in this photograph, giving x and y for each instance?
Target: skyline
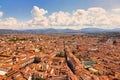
(72, 14)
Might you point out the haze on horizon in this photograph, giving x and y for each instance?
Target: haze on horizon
(59, 14)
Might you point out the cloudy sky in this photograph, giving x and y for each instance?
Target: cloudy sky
(60, 14)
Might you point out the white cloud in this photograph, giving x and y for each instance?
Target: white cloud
(115, 20)
(93, 17)
(98, 17)
(1, 14)
(38, 17)
(96, 11)
(79, 17)
(37, 12)
(59, 19)
(117, 10)
(80, 12)
(9, 23)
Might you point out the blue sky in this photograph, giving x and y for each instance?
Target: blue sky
(21, 9)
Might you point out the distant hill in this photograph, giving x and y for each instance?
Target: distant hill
(92, 30)
(8, 31)
(98, 30)
(115, 30)
(84, 30)
(52, 31)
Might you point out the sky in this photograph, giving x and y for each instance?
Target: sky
(59, 14)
